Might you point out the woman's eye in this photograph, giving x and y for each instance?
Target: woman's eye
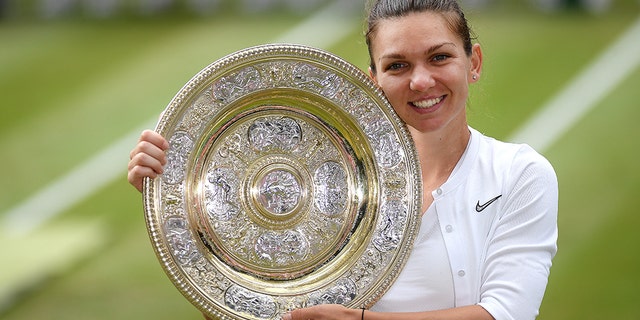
(440, 57)
(395, 66)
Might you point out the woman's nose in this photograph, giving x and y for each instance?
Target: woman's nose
(421, 80)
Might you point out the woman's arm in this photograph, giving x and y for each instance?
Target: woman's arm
(339, 312)
(522, 245)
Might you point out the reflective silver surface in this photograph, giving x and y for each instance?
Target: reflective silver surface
(290, 183)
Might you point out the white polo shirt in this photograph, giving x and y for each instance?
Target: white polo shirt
(497, 219)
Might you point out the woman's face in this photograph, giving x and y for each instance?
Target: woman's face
(423, 70)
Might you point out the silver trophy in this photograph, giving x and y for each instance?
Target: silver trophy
(290, 182)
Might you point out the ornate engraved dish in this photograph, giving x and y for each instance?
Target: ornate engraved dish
(290, 182)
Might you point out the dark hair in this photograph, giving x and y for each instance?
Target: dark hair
(385, 9)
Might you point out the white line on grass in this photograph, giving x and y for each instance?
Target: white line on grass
(583, 93)
(323, 29)
(77, 185)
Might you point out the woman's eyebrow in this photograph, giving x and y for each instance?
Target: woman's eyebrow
(391, 56)
(439, 46)
(429, 51)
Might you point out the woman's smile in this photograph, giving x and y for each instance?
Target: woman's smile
(424, 71)
(427, 103)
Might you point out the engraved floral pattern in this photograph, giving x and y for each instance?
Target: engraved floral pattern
(309, 77)
(179, 151)
(180, 240)
(250, 191)
(282, 248)
(275, 134)
(394, 215)
(341, 293)
(255, 304)
(232, 86)
(280, 190)
(221, 190)
(331, 188)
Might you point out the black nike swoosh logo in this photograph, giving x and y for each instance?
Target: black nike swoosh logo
(481, 207)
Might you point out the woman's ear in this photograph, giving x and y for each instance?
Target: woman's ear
(372, 75)
(476, 62)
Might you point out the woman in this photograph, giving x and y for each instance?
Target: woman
(489, 226)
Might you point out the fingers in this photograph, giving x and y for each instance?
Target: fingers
(148, 154)
(304, 314)
(149, 141)
(323, 312)
(155, 138)
(137, 175)
(141, 166)
(294, 314)
(147, 159)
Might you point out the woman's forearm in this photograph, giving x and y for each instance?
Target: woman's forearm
(461, 313)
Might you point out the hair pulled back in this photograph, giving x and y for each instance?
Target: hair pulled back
(387, 9)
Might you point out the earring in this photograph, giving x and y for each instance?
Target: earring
(474, 77)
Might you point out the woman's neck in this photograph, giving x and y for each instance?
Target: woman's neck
(439, 153)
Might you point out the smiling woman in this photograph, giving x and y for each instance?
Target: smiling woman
(414, 55)
(489, 208)
(422, 58)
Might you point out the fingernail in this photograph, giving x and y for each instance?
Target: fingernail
(286, 316)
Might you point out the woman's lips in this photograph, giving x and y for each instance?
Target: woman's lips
(427, 103)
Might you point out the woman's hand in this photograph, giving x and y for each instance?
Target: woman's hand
(148, 158)
(324, 312)
(339, 312)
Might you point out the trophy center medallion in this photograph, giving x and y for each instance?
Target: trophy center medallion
(277, 190)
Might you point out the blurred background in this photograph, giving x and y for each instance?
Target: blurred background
(80, 79)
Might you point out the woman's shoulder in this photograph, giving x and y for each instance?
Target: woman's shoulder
(517, 156)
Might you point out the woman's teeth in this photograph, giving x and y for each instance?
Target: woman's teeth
(425, 104)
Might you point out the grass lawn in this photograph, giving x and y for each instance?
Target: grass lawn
(70, 88)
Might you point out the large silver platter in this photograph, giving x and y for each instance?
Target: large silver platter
(290, 182)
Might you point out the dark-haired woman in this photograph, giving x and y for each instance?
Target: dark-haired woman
(489, 229)
(489, 223)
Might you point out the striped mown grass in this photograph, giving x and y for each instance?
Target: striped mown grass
(70, 88)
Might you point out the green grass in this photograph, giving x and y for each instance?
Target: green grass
(71, 88)
(90, 84)
(530, 58)
(594, 275)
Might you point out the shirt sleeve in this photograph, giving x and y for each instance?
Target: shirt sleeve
(523, 241)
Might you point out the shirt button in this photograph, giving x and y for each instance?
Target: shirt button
(461, 273)
(439, 191)
(449, 228)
